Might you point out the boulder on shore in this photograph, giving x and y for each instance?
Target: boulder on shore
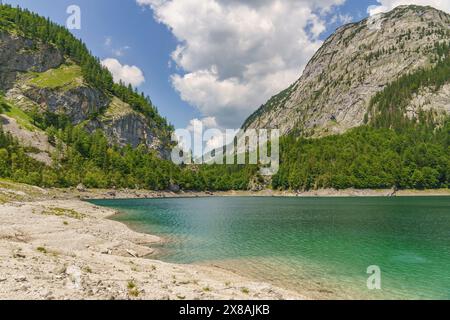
(81, 188)
(174, 188)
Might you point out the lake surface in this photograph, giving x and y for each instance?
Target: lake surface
(321, 247)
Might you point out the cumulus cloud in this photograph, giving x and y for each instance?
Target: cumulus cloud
(125, 73)
(207, 135)
(199, 136)
(387, 5)
(198, 125)
(236, 54)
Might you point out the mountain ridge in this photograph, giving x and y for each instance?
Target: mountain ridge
(36, 55)
(65, 123)
(354, 64)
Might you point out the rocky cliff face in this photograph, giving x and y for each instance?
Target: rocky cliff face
(124, 126)
(428, 99)
(36, 76)
(77, 103)
(355, 63)
(18, 55)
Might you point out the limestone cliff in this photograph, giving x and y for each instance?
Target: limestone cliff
(36, 76)
(18, 55)
(356, 62)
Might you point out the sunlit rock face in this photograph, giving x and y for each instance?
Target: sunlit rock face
(18, 54)
(356, 62)
(22, 60)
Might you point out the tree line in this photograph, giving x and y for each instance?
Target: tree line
(89, 159)
(367, 157)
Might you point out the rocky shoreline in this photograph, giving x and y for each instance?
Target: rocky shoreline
(145, 194)
(54, 246)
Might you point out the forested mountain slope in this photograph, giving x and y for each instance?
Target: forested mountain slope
(50, 75)
(371, 109)
(64, 121)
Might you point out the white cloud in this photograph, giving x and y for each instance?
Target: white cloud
(125, 73)
(341, 19)
(118, 52)
(198, 125)
(236, 54)
(197, 129)
(387, 5)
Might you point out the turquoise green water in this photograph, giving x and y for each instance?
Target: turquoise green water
(321, 247)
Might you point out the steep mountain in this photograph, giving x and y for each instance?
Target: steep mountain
(63, 121)
(338, 88)
(50, 81)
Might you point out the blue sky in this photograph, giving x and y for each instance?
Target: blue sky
(199, 82)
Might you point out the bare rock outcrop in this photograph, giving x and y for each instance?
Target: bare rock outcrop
(22, 61)
(78, 103)
(354, 64)
(18, 54)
